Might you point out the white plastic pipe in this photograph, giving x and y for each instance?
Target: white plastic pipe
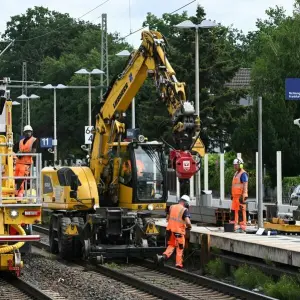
(192, 188)
(256, 167)
(222, 177)
(177, 189)
(206, 172)
(279, 178)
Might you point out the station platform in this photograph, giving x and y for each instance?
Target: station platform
(277, 248)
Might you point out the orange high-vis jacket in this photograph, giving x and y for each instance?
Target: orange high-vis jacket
(27, 148)
(239, 188)
(175, 222)
(140, 167)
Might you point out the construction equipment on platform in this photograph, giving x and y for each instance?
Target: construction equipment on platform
(17, 214)
(284, 223)
(105, 210)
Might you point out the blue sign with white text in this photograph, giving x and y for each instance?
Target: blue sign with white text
(292, 89)
(46, 142)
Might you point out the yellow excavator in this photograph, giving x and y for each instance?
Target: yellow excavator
(104, 210)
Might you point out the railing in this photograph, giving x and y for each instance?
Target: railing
(31, 196)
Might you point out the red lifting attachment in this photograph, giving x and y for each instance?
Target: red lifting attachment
(184, 163)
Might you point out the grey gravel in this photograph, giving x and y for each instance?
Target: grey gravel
(44, 238)
(73, 282)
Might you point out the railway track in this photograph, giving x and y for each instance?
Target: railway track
(166, 282)
(16, 288)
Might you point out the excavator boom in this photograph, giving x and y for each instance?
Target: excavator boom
(149, 60)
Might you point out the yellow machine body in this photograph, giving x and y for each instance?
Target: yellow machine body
(14, 212)
(279, 225)
(57, 194)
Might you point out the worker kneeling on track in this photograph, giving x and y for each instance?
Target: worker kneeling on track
(239, 194)
(178, 221)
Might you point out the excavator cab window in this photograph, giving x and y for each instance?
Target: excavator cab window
(66, 177)
(149, 173)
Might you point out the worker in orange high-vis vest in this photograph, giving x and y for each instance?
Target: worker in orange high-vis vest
(239, 194)
(178, 221)
(23, 163)
(140, 167)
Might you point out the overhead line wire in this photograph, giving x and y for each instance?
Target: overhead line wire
(171, 13)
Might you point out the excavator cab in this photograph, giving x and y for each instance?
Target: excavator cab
(143, 176)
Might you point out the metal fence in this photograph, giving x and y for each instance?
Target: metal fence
(33, 194)
(270, 195)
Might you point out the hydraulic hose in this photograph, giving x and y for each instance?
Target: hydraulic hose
(18, 245)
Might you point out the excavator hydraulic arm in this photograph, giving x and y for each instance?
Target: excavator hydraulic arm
(149, 60)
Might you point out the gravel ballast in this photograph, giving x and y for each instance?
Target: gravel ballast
(73, 282)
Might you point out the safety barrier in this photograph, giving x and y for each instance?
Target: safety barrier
(33, 194)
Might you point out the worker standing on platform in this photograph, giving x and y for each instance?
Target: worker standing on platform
(23, 163)
(178, 221)
(239, 194)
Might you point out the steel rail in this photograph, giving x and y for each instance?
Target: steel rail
(148, 277)
(18, 288)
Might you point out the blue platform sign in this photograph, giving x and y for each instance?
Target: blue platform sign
(292, 89)
(46, 142)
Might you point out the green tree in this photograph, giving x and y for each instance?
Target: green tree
(54, 45)
(218, 64)
(274, 55)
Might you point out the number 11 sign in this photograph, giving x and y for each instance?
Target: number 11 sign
(46, 142)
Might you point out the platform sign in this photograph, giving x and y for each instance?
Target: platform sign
(88, 135)
(46, 142)
(292, 89)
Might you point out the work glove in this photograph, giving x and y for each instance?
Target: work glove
(187, 233)
(243, 199)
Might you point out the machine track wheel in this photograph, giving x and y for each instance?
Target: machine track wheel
(64, 241)
(53, 243)
(77, 245)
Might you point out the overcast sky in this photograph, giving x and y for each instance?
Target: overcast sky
(242, 14)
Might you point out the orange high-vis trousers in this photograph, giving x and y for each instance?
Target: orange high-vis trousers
(21, 170)
(240, 216)
(177, 243)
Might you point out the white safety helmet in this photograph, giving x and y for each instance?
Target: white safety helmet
(27, 128)
(185, 198)
(238, 161)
